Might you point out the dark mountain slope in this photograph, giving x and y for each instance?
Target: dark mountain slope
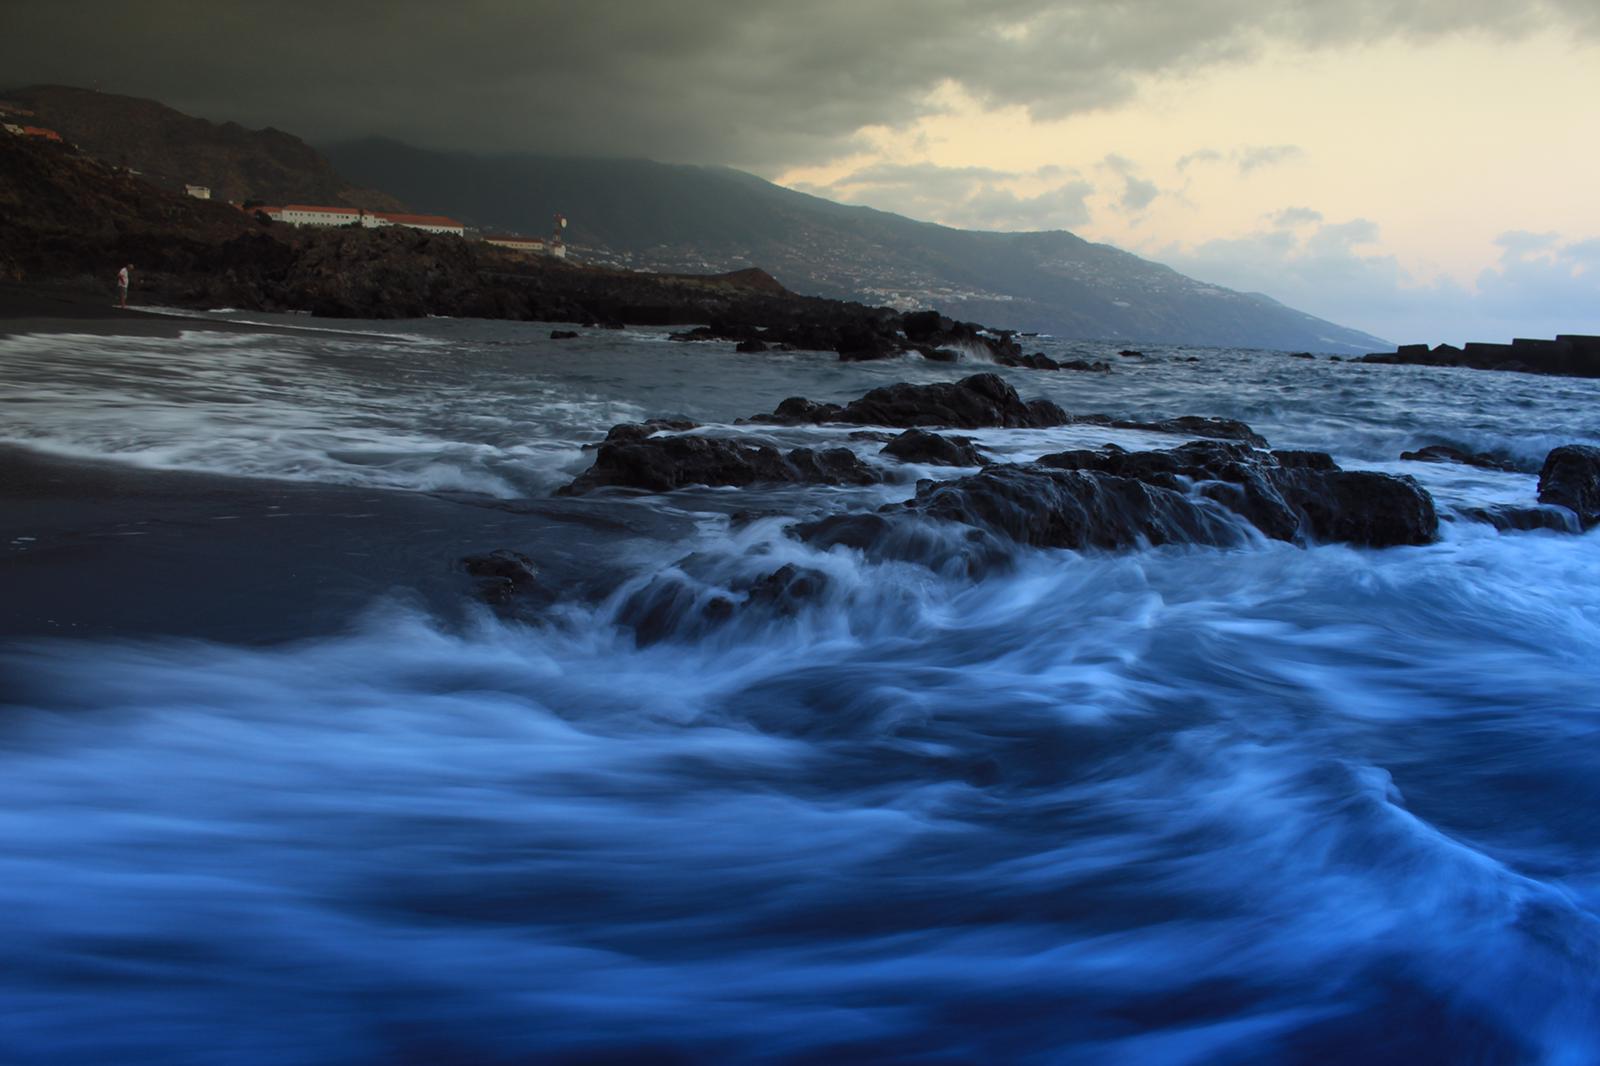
(666, 217)
(171, 149)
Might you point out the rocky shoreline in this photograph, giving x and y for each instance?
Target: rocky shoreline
(68, 222)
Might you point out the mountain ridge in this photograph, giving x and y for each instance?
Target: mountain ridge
(670, 217)
(171, 149)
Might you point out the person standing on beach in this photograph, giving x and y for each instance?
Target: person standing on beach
(122, 283)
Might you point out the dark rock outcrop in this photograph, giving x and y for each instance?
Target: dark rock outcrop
(786, 588)
(975, 402)
(1444, 453)
(1184, 425)
(1570, 478)
(920, 446)
(1111, 498)
(660, 464)
(1283, 494)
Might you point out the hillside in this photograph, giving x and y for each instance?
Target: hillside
(664, 217)
(171, 149)
(68, 221)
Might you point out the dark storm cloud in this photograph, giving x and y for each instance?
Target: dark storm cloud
(707, 80)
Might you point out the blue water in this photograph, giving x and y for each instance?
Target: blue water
(1273, 804)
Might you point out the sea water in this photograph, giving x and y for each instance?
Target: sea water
(1268, 804)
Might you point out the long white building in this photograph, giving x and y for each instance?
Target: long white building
(312, 215)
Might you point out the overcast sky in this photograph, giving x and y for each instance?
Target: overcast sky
(1422, 169)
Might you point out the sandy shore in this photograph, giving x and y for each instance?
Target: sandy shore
(33, 309)
(104, 550)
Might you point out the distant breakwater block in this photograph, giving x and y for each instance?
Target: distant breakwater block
(1568, 355)
(1204, 492)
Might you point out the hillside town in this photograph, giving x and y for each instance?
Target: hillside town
(13, 121)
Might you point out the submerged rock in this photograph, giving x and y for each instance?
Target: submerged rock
(786, 588)
(1510, 518)
(1570, 478)
(920, 446)
(502, 574)
(660, 464)
(1186, 426)
(1444, 453)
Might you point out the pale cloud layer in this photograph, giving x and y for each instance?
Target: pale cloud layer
(1539, 284)
(979, 198)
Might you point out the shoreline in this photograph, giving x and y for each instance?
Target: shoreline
(31, 309)
(93, 548)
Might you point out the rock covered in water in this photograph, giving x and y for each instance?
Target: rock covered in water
(660, 464)
(982, 400)
(501, 575)
(920, 446)
(1444, 453)
(1185, 426)
(1570, 478)
(1512, 518)
(627, 431)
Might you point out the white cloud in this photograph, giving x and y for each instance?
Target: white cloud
(1540, 285)
(967, 197)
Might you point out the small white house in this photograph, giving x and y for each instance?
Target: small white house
(199, 192)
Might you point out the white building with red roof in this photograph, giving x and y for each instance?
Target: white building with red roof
(429, 223)
(311, 215)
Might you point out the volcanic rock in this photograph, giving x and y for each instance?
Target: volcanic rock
(660, 464)
(920, 446)
(971, 403)
(1444, 453)
(1184, 425)
(1111, 498)
(1508, 518)
(501, 574)
(1570, 478)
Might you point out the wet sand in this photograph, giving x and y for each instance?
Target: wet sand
(97, 549)
(32, 309)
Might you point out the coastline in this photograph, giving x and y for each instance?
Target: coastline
(95, 548)
(26, 309)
